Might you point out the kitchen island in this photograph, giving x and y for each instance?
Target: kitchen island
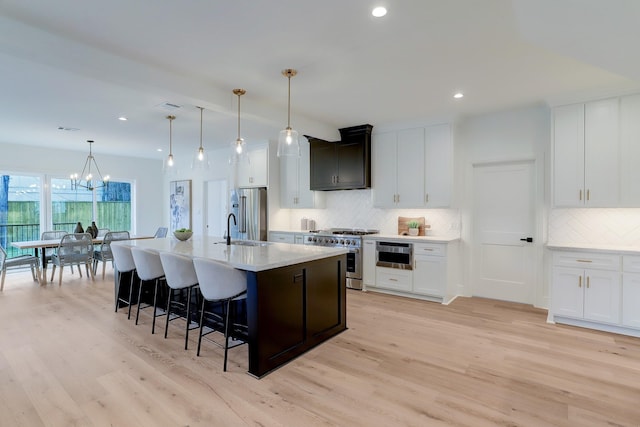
(296, 295)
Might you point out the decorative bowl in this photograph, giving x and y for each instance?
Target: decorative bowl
(183, 235)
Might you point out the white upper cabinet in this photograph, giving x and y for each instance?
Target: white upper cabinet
(586, 154)
(412, 168)
(438, 166)
(254, 173)
(295, 191)
(630, 150)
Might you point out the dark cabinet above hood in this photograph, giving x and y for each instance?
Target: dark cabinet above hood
(344, 164)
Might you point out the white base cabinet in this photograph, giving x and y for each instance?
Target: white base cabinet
(434, 274)
(596, 290)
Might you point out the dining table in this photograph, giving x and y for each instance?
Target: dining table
(39, 247)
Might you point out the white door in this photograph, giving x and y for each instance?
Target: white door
(503, 265)
(216, 206)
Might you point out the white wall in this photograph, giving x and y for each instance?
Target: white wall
(504, 136)
(146, 175)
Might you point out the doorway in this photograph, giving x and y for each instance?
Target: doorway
(216, 207)
(503, 261)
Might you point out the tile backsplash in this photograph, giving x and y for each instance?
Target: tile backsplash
(595, 226)
(354, 209)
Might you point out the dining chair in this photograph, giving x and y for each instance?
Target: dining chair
(149, 269)
(102, 232)
(19, 261)
(161, 232)
(181, 276)
(50, 235)
(222, 284)
(76, 248)
(124, 263)
(103, 254)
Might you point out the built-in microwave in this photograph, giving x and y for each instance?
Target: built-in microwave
(394, 255)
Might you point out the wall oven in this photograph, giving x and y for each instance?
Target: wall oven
(394, 255)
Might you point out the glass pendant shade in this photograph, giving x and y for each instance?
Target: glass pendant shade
(288, 144)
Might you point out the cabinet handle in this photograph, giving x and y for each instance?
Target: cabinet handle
(588, 195)
(580, 281)
(398, 198)
(427, 249)
(426, 198)
(415, 264)
(583, 260)
(298, 277)
(580, 195)
(251, 179)
(392, 280)
(587, 282)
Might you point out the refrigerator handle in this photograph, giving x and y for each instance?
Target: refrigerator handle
(242, 214)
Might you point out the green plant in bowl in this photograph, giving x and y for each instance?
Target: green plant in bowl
(183, 234)
(414, 227)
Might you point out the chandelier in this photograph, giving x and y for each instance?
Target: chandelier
(86, 178)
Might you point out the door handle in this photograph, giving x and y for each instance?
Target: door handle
(527, 239)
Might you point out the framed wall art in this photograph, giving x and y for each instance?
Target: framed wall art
(180, 204)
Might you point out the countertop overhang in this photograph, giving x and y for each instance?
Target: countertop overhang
(264, 256)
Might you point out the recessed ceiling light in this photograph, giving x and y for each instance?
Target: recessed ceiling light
(458, 95)
(122, 118)
(379, 11)
(159, 150)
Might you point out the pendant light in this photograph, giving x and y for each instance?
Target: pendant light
(90, 183)
(238, 146)
(288, 140)
(170, 158)
(201, 158)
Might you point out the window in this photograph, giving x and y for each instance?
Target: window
(19, 210)
(111, 207)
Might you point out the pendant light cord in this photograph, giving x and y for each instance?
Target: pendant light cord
(201, 109)
(289, 104)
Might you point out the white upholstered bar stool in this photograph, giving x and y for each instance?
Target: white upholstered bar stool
(149, 269)
(221, 283)
(124, 263)
(181, 276)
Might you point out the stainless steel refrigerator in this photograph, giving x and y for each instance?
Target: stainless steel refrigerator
(249, 205)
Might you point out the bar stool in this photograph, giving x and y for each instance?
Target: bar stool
(223, 284)
(149, 268)
(180, 275)
(124, 263)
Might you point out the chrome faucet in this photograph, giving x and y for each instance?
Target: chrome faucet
(234, 223)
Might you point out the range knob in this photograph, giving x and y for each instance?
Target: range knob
(342, 242)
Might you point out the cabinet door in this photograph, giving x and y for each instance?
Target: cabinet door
(630, 150)
(438, 166)
(568, 155)
(369, 262)
(289, 189)
(601, 151)
(429, 275)
(254, 172)
(351, 165)
(307, 199)
(631, 300)
(322, 164)
(567, 292)
(410, 168)
(602, 296)
(384, 169)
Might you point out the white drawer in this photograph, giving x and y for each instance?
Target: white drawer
(434, 249)
(631, 263)
(587, 260)
(393, 278)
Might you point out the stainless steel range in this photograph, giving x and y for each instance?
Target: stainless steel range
(349, 238)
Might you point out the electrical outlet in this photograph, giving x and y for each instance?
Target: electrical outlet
(455, 226)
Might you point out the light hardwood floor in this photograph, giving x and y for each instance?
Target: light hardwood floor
(66, 359)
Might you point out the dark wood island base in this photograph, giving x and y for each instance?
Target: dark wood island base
(293, 309)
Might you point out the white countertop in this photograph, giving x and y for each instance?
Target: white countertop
(620, 249)
(414, 239)
(252, 258)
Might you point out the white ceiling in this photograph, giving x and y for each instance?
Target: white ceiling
(82, 64)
